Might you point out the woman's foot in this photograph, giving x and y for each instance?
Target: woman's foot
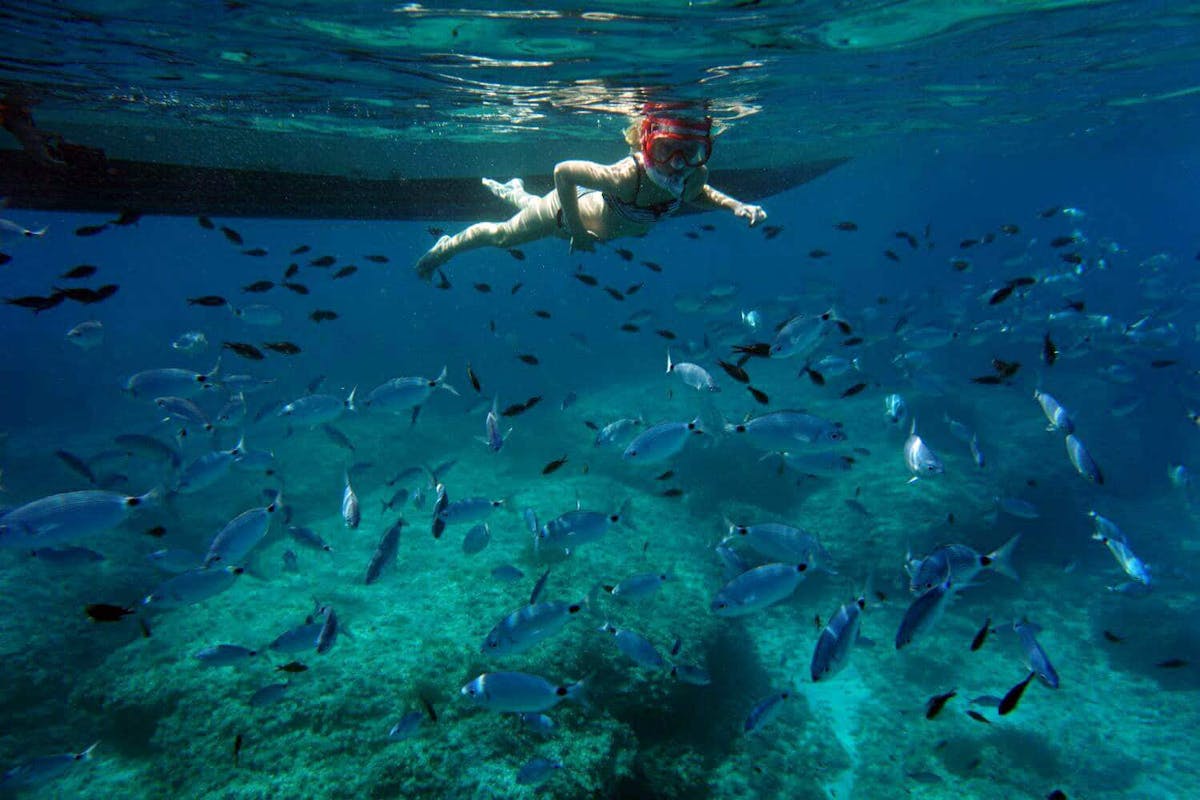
(506, 191)
(438, 254)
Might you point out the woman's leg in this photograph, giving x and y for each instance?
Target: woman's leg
(511, 192)
(536, 220)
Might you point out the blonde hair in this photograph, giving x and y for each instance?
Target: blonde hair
(633, 135)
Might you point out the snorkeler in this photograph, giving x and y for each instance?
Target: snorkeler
(46, 148)
(597, 202)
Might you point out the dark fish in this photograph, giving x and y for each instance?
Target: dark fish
(814, 376)
(321, 315)
(666, 475)
(629, 327)
(975, 715)
(345, 272)
(757, 350)
(473, 378)
(516, 287)
(852, 341)
(35, 303)
(1024, 280)
(106, 612)
(673, 492)
(1005, 369)
(771, 231)
(1000, 295)
(633, 289)
(960, 264)
(1112, 637)
(908, 237)
(653, 266)
(591, 425)
(298, 288)
(1172, 663)
(259, 286)
(846, 225)
(376, 259)
(966, 244)
(237, 748)
(1075, 305)
(708, 228)
(232, 235)
(759, 395)
(1062, 241)
(301, 250)
(88, 296)
(734, 371)
(666, 334)
(286, 348)
(1013, 695)
(4, 259)
(519, 255)
(1071, 258)
(1159, 363)
(982, 635)
(542, 314)
(691, 235)
(291, 270)
(533, 401)
(615, 294)
(244, 350)
(1049, 351)
(554, 465)
(257, 252)
(158, 531)
(483, 288)
(323, 261)
(988, 380)
(513, 410)
(384, 554)
(818, 253)
(292, 667)
(624, 254)
(844, 327)
(853, 390)
(891, 255)
(91, 230)
(435, 232)
(82, 271)
(526, 358)
(935, 704)
(77, 464)
(1057, 794)
(209, 300)
(429, 709)
(1049, 212)
(1010, 230)
(145, 627)
(205, 223)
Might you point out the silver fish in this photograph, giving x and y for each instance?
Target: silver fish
(614, 432)
(537, 771)
(764, 711)
(317, 409)
(960, 562)
(63, 518)
(400, 395)
(407, 726)
(1035, 656)
(575, 528)
(86, 335)
(327, 636)
(836, 642)
(476, 539)
(895, 409)
(636, 647)
(175, 560)
(224, 655)
(240, 535)
(1057, 416)
(693, 375)
(782, 431)
(781, 543)
(269, 695)
(639, 587)
(351, 513)
(43, 768)
(758, 588)
(66, 556)
(309, 538)
(528, 626)
(172, 382)
(801, 335)
(1082, 460)
(519, 692)
(298, 639)
(1107, 532)
(385, 553)
(192, 586)
(662, 441)
(190, 342)
(259, 315)
(924, 612)
(920, 459)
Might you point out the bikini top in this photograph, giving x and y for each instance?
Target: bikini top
(641, 215)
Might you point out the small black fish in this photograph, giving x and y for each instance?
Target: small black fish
(935, 704)
(975, 715)
(1159, 363)
(1013, 695)
(708, 228)
(757, 350)
(35, 303)
(816, 377)
(734, 371)
(771, 231)
(691, 235)
(591, 425)
(843, 326)
(87, 296)
(960, 264)
(1006, 369)
(145, 627)
(908, 237)
(846, 225)
(1010, 230)
(106, 612)
(1057, 794)
(483, 288)
(237, 748)
(4, 259)
(205, 223)
(298, 288)
(232, 235)
(669, 335)
(244, 350)
(1000, 295)
(759, 395)
(1049, 351)
(615, 294)
(988, 380)
(516, 287)
(629, 327)
(286, 348)
(473, 378)
(292, 667)
(674, 491)
(158, 531)
(653, 266)
(208, 300)
(853, 390)
(323, 261)
(586, 279)
(554, 466)
(818, 253)
(1062, 241)
(633, 289)
(91, 230)
(1075, 305)
(301, 250)
(1049, 212)
(541, 314)
(624, 254)
(435, 232)
(513, 410)
(852, 341)
(891, 255)
(526, 358)
(982, 635)
(533, 401)
(345, 272)
(257, 252)
(259, 286)
(1023, 280)
(1071, 258)
(519, 255)
(1112, 637)
(1172, 663)
(321, 315)
(966, 244)
(82, 271)
(666, 475)
(291, 270)
(376, 259)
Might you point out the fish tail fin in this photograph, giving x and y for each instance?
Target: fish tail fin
(625, 514)
(441, 384)
(86, 755)
(670, 366)
(1001, 558)
(350, 406)
(577, 692)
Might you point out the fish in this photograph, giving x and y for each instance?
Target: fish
(376, 259)
(975, 715)
(1035, 656)
(1013, 696)
(244, 349)
(982, 635)
(960, 562)
(625, 254)
(237, 748)
(322, 315)
(476, 539)
(585, 279)
(208, 300)
(351, 513)
(764, 711)
(759, 395)
(1112, 637)
(192, 586)
(328, 634)
(240, 535)
(300, 250)
(269, 695)
(323, 261)
(919, 458)
(853, 390)
(286, 348)
(924, 612)
(36, 303)
(662, 441)
(692, 375)
(1001, 294)
(43, 769)
(734, 371)
(614, 293)
(79, 272)
(77, 464)
(1049, 351)
(636, 647)
(106, 612)
(782, 431)
(298, 288)
(519, 255)
(224, 655)
(473, 378)
(483, 288)
(258, 287)
(1172, 663)
(537, 771)
(554, 466)
(516, 287)
(846, 225)
(1082, 460)
(771, 231)
(666, 334)
(837, 640)
(519, 692)
(757, 589)
(935, 704)
(309, 538)
(385, 552)
(233, 236)
(91, 230)
(255, 252)
(63, 518)
(205, 222)
(526, 358)
(88, 296)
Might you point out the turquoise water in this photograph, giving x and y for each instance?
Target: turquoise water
(972, 181)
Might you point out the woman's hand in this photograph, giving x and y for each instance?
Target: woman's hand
(754, 214)
(584, 243)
